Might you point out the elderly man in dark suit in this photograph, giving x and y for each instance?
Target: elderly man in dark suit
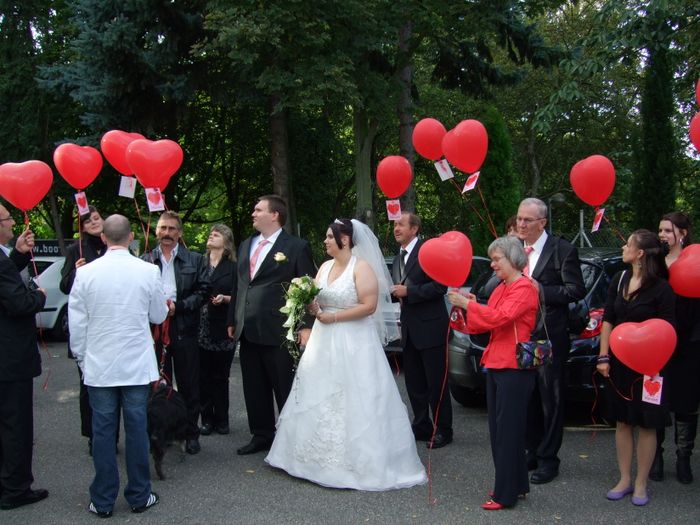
(20, 362)
(554, 264)
(266, 261)
(424, 324)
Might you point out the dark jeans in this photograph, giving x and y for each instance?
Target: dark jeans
(86, 411)
(424, 371)
(16, 437)
(266, 371)
(508, 392)
(105, 403)
(213, 386)
(183, 356)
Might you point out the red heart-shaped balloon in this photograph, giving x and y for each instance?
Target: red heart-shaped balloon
(24, 184)
(427, 138)
(684, 274)
(154, 162)
(447, 259)
(394, 175)
(652, 387)
(114, 144)
(593, 179)
(695, 131)
(466, 145)
(79, 165)
(644, 347)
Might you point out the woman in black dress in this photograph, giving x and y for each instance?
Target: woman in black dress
(635, 295)
(216, 349)
(85, 250)
(682, 373)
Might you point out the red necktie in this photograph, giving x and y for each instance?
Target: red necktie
(256, 254)
(528, 251)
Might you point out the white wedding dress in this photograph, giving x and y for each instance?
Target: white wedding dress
(344, 424)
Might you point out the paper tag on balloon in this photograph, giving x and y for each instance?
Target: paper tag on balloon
(471, 182)
(444, 170)
(127, 187)
(155, 199)
(393, 209)
(651, 389)
(599, 212)
(81, 201)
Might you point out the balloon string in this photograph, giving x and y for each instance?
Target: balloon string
(614, 228)
(80, 235)
(143, 229)
(491, 228)
(488, 214)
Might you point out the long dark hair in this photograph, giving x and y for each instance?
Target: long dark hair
(341, 227)
(682, 222)
(653, 264)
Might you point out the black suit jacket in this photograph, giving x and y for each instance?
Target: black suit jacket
(19, 353)
(560, 286)
(223, 281)
(424, 316)
(257, 305)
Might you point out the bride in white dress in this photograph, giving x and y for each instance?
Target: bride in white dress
(344, 424)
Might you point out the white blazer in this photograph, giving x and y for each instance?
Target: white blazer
(109, 308)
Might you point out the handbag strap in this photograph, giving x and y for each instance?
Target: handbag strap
(540, 300)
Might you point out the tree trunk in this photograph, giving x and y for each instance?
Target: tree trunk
(365, 131)
(279, 160)
(405, 111)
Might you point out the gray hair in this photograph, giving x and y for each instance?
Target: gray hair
(541, 206)
(117, 230)
(512, 249)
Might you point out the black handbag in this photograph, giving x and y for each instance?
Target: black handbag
(533, 354)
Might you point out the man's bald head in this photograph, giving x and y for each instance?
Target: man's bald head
(116, 231)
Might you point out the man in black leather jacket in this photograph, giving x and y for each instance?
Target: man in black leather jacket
(186, 285)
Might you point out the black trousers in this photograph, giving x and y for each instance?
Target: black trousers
(267, 371)
(508, 392)
(424, 371)
(215, 368)
(545, 423)
(183, 358)
(16, 437)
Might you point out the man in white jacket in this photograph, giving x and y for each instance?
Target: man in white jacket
(110, 305)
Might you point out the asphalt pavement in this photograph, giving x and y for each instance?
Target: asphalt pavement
(218, 486)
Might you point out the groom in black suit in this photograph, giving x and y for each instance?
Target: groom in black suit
(266, 261)
(554, 264)
(424, 323)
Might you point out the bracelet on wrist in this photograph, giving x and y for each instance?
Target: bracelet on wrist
(603, 359)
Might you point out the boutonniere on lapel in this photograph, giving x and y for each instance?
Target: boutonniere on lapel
(280, 258)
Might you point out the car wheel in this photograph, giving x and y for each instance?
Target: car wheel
(467, 397)
(60, 329)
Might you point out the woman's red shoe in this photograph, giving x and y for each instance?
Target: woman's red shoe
(492, 505)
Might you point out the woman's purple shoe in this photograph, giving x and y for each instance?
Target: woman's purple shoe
(640, 501)
(615, 495)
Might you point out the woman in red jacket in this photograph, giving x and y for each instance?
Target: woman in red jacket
(510, 317)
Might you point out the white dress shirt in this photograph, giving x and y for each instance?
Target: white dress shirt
(112, 301)
(265, 249)
(537, 248)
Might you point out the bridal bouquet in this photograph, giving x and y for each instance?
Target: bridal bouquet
(300, 292)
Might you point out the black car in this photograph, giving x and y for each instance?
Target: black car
(466, 375)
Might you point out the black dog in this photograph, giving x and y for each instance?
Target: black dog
(167, 421)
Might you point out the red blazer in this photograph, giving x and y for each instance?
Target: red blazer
(510, 305)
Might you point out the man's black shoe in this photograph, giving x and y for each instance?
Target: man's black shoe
(254, 446)
(439, 441)
(192, 446)
(222, 429)
(30, 496)
(543, 475)
(206, 429)
(99, 513)
(153, 498)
